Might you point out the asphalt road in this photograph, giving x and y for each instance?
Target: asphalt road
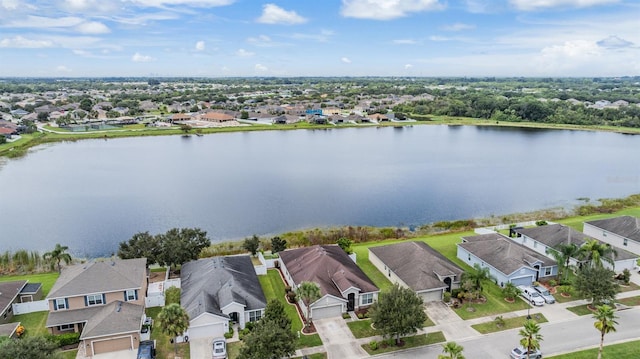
(558, 338)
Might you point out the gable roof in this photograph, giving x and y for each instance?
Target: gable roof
(31, 288)
(554, 235)
(625, 226)
(210, 284)
(329, 267)
(504, 254)
(114, 318)
(99, 277)
(9, 329)
(417, 264)
(8, 293)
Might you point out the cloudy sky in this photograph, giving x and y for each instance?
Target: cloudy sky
(218, 38)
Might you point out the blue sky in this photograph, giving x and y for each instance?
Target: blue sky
(219, 38)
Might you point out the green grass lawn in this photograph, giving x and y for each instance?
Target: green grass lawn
(69, 354)
(629, 287)
(233, 350)
(164, 348)
(34, 323)
(628, 350)
(315, 356)
(495, 305)
(273, 288)
(580, 310)
(362, 329)
(409, 342)
(632, 301)
(509, 323)
(47, 280)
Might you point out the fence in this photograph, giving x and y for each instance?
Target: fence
(154, 301)
(30, 307)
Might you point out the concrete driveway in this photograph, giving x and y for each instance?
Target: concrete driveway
(338, 339)
(201, 348)
(122, 354)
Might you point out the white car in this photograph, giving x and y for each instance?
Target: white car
(544, 293)
(531, 295)
(521, 353)
(219, 348)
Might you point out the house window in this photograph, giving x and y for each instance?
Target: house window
(130, 295)
(61, 303)
(65, 327)
(469, 257)
(94, 299)
(624, 242)
(255, 315)
(547, 271)
(366, 299)
(535, 244)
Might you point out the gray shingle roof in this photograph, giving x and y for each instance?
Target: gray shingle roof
(625, 226)
(115, 317)
(9, 291)
(31, 288)
(504, 254)
(7, 330)
(99, 277)
(212, 283)
(60, 317)
(417, 264)
(329, 267)
(483, 237)
(553, 235)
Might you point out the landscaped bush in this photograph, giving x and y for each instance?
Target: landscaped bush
(346, 316)
(65, 339)
(287, 289)
(553, 283)
(360, 316)
(447, 297)
(249, 325)
(291, 297)
(228, 335)
(373, 345)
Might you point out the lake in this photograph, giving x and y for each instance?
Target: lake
(92, 194)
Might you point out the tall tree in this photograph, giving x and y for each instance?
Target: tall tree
(34, 347)
(398, 312)
(182, 245)
(530, 336)
(597, 284)
(252, 244)
(58, 254)
(605, 323)
(308, 292)
(278, 244)
(173, 321)
(272, 337)
(477, 277)
(141, 245)
(595, 252)
(451, 350)
(345, 244)
(563, 254)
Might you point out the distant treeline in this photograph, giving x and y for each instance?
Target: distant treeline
(23, 261)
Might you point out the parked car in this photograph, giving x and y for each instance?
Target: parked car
(219, 348)
(544, 293)
(531, 295)
(521, 353)
(147, 350)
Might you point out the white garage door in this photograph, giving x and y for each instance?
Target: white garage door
(211, 330)
(326, 312)
(432, 296)
(522, 281)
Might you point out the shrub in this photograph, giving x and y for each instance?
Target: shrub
(541, 223)
(499, 321)
(249, 325)
(360, 316)
(626, 276)
(228, 335)
(553, 283)
(447, 297)
(346, 316)
(291, 297)
(373, 345)
(287, 289)
(455, 292)
(65, 339)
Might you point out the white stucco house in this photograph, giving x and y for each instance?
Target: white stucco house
(622, 232)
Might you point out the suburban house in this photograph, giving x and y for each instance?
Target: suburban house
(507, 260)
(31, 292)
(417, 266)
(102, 300)
(218, 289)
(622, 232)
(9, 330)
(216, 117)
(9, 294)
(543, 239)
(343, 285)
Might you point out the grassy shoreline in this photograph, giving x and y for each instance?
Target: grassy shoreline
(20, 147)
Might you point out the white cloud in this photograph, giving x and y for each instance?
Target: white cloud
(458, 26)
(260, 68)
(386, 9)
(62, 68)
(345, 60)
(83, 53)
(244, 53)
(574, 49)
(138, 57)
(10, 4)
(200, 46)
(614, 42)
(198, 3)
(273, 14)
(323, 36)
(528, 5)
(22, 42)
(408, 66)
(92, 27)
(404, 42)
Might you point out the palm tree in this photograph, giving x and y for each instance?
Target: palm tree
(477, 277)
(451, 350)
(595, 252)
(563, 254)
(58, 254)
(605, 323)
(308, 292)
(530, 336)
(510, 291)
(173, 321)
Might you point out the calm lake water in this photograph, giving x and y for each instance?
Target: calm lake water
(90, 195)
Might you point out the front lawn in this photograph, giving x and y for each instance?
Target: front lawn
(631, 301)
(509, 323)
(164, 347)
(409, 342)
(580, 310)
(495, 305)
(362, 328)
(69, 354)
(34, 323)
(47, 280)
(628, 350)
(273, 288)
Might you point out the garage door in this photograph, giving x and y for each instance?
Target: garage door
(326, 312)
(432, 296)
(205, 331)
(111, 345)
(522, 281)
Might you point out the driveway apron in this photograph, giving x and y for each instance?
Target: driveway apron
(338, 339)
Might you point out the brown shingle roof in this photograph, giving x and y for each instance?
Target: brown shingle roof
(328, 266)
(216, 117)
